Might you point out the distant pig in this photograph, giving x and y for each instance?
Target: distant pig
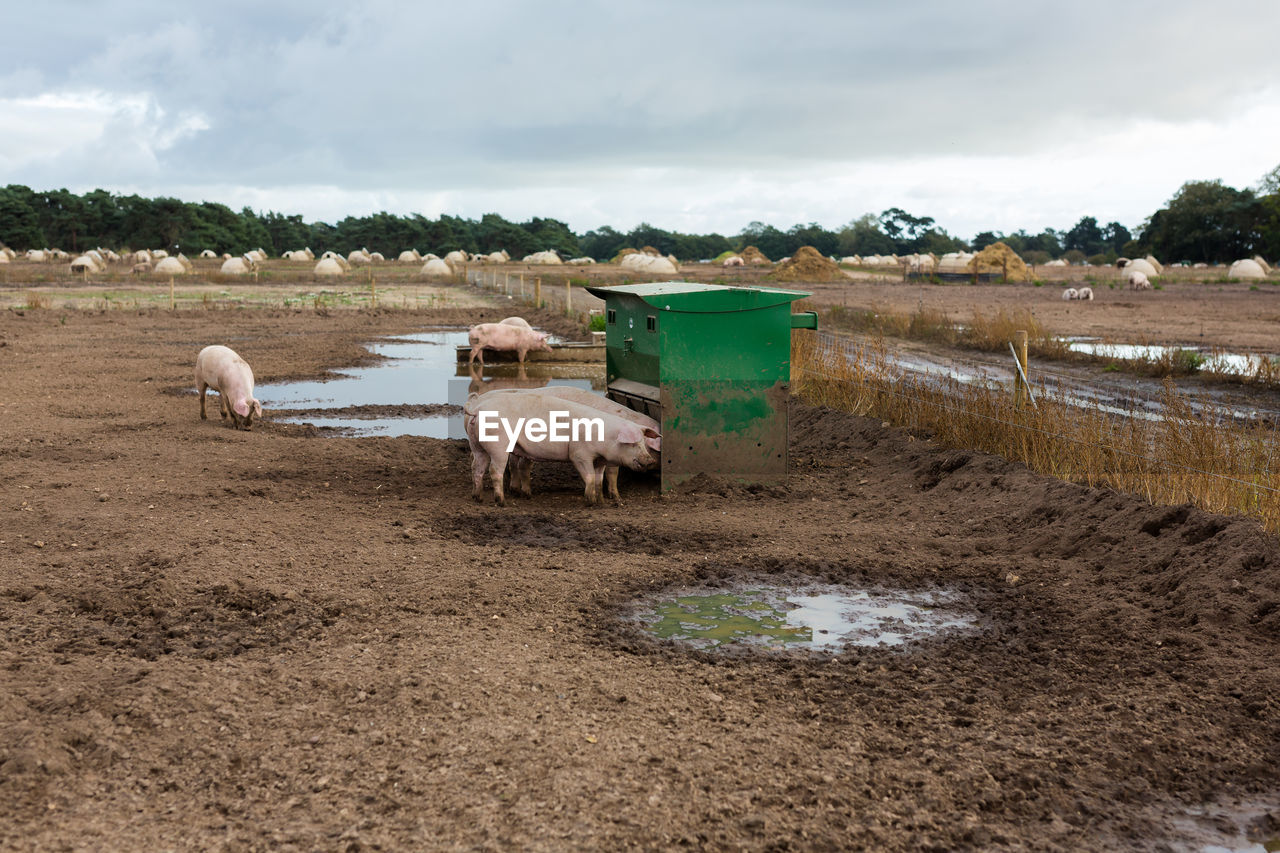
(505, 337)
(219, 368)
(506, 423)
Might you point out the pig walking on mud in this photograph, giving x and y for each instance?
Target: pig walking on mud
(219, 368)
(505, 337)
(509, 416)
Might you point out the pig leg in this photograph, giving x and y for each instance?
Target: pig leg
(479, 462)
(521, 476)
(224, 408)
(477, 350)
(611, 477)
(591, 486)
(204, 415)
(497, 468)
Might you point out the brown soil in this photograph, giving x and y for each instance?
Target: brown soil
(752, 256)
(227, 640)
(808, 264)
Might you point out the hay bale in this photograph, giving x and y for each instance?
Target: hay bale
(807, 264)
(651, 252)
(1159, 267)
(622, 253)
(754, 257)
(170, 266)
(998, 257)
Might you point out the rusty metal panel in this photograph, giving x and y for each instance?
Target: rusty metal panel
(736, 430)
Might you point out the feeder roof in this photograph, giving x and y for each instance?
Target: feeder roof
(691, 297)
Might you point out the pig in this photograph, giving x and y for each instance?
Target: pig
(516, 321)
(1138, 280)
(522, 467)
(505, 338)
(1085, 293)
(219, 368)
(1069, 294)
(623, 442)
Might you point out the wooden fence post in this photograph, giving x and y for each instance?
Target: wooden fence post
(537, 291)
(568, 297)
(1020, 380)
(171, 298)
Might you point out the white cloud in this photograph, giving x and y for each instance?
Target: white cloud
(69, 137)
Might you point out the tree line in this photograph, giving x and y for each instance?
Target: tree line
(1204, 221)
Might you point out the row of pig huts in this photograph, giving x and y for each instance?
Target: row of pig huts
(647, 260)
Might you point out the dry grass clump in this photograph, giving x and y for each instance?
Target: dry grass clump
(808, 264)
(1195, 454)
(622, 253)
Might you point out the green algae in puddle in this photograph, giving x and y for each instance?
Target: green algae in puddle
(724, 618)
(813, 617)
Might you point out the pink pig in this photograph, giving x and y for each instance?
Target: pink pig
(522, 467)
(503, 414)
(219, 368)
(505, 337)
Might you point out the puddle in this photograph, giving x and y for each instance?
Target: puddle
(1213, 361)
(1230, 827)
(420, 369)
(808, 618)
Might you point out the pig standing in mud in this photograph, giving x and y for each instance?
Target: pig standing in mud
(219, 368)
(505, 337)
(508, 423)
(522, 467)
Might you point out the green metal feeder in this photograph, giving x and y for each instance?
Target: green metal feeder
(712, 363)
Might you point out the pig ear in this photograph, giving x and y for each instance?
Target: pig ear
(653, 441)
(630, 434)
(241, 409)
(257, 409)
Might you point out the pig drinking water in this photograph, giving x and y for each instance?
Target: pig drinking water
(505, 337)
(515, 423)
(219, 368)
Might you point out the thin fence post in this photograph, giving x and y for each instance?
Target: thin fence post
(171, 297)
(568, 297)
(373, 289)
(506, 283)
(1019, 385)
(522, 287)
(537, 291)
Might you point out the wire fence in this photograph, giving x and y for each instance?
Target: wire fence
(1190, 453)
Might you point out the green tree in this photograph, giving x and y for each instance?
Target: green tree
(1206, 221)
(19, 222)
(1085, 236)
(862, 236)
(904, 229)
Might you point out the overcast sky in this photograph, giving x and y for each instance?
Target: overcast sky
(692, 116)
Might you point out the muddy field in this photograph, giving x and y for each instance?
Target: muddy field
(226, 640)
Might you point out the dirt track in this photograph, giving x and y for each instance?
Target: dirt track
(216, 639)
